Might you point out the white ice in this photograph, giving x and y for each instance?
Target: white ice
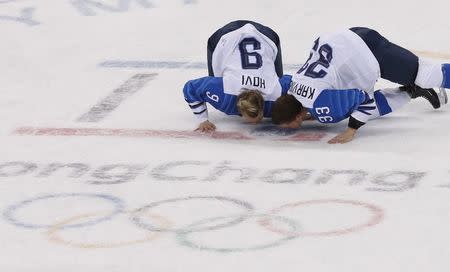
(379, 203)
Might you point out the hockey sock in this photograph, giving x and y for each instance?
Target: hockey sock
(431, 74)
(389, 100)
(446, 75)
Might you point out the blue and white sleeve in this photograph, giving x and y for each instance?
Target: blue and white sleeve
(285, 82)
(195, 95)
(208, 89)
(364, 112)
(384, 102)
(332, 105)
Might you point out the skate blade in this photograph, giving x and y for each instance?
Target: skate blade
(443, 98)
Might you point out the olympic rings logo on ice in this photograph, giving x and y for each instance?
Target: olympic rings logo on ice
(277, 221)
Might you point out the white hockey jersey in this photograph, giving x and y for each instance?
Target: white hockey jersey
(339, 60)
(245, 59)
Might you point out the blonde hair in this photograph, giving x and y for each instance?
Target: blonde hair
(251, 103)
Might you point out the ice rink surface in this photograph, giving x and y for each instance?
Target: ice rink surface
(100, 170)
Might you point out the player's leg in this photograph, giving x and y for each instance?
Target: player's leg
(387, 101)
(433, 74)
(397, 64)
(392, 99)
(401, 66)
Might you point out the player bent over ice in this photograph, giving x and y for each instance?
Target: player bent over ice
(245, 74)
(337, 81)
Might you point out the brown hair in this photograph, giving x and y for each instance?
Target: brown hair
(285, 109)
(250, 103)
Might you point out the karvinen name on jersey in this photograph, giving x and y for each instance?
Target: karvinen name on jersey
(302, 90)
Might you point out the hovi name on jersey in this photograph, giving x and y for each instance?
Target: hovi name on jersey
(302, 90)
(253, 81)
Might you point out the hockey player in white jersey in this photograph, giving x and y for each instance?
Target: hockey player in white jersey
(245, 74)
(337, 81)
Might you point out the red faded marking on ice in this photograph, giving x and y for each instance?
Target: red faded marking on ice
(127, 133)
(42, 131)
(307, 136)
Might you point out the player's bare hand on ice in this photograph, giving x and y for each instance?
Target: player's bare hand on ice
(344, 137)
(206, 126)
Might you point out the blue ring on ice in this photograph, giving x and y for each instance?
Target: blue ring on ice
(10, 212)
